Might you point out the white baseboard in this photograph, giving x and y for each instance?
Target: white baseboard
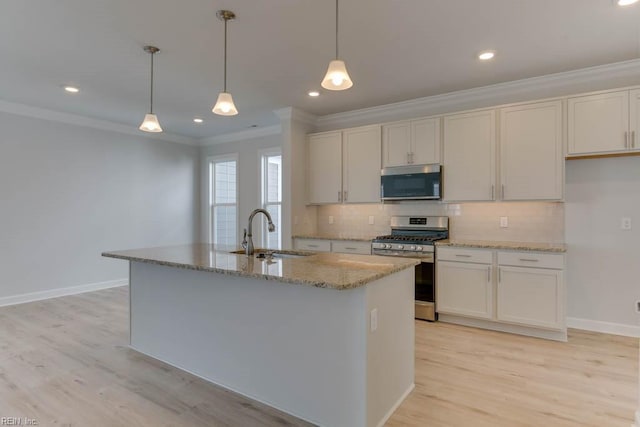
(61, 292)
(396, 405)
(604, 327)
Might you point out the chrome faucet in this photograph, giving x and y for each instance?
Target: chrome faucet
(247, 241)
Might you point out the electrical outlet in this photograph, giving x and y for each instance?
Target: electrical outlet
(504, 221)
(374, 319)
(330, 219)
(371, 220)
(625, 223)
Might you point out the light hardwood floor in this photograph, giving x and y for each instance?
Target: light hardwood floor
(65, 362)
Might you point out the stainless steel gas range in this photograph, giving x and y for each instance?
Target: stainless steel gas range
(413, 237)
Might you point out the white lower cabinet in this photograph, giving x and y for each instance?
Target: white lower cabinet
(512, 291)
(465, 289)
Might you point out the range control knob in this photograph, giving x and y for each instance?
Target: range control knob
(413, 248)
(400, 246)
(387, 246)
(418, 248)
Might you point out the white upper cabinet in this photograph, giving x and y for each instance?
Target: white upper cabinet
(531, 160)
(325, 168)
(344, 166)
(361, 165)
(469, 156)
(411, 142)
(599, 123)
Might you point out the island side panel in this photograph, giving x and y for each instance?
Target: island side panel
(295, 347)
(391, 347)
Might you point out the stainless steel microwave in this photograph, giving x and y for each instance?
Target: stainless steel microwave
(413, 182)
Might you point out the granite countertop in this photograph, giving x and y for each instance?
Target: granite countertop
(323, 270)
(518, 246)
(338, 237)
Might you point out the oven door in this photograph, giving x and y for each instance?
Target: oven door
(425, 292)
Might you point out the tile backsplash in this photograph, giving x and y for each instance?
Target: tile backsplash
(527, 221)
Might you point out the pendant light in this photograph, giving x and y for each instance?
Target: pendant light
(150, 122)
(337, 77)
(224, 105)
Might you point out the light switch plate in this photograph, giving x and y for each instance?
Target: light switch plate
(330, 219)
(371, 220)
(504, 221)
(374, 320)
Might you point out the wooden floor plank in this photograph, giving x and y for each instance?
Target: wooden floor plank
(65, 362)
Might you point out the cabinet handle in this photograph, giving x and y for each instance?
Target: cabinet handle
(633, 139)
(408, 158)
(313, 246)
(493, 192)
(626, 140)
(489, 274)
(529, 260)
(339, 196)
(502, 191)
(345, 196)
(350, 249)
(463, 256)
(499, 275)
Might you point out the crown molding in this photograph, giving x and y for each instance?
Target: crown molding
(242, 135)
(558, 84)
(295, 114)
(74, 119)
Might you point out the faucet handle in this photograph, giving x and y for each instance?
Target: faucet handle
(244, 239)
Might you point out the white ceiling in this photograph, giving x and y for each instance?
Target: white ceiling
(279, 49)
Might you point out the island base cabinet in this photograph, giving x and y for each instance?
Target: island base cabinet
(312, 352)
(530, 296)
(464, 289)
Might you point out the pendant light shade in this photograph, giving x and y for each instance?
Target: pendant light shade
(224, 105)
(337, 77)
(150, 122)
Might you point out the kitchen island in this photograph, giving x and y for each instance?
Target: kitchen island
(326, 337)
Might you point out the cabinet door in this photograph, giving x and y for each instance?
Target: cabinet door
(469, 156)
(396, 139)
(325, 168)
(351, 247)
(361, 165)
(598, 123)
(634, 117)
(531, 297)
(531, 152)
(464, 289)
(314, 245)
(425, 141)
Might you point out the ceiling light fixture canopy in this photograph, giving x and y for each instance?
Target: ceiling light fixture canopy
(224, 105)
(626, 2)
(337, 77)
(150, 122)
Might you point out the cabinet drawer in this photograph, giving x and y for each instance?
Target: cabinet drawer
(531, 259)
(351, 247)
(315, 245)
(479, 256)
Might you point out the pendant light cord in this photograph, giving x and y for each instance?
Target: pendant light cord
(337, 56)
(151, 97)
(225, 55)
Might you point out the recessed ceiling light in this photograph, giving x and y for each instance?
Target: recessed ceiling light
(486, 55)
(626, 2)
(314, 93)
(197, 120)
(71, 89)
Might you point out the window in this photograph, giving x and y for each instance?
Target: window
(223, 200)
(272, 197)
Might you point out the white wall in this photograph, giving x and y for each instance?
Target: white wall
(68, 193)
(248, 179)
(603, 261)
